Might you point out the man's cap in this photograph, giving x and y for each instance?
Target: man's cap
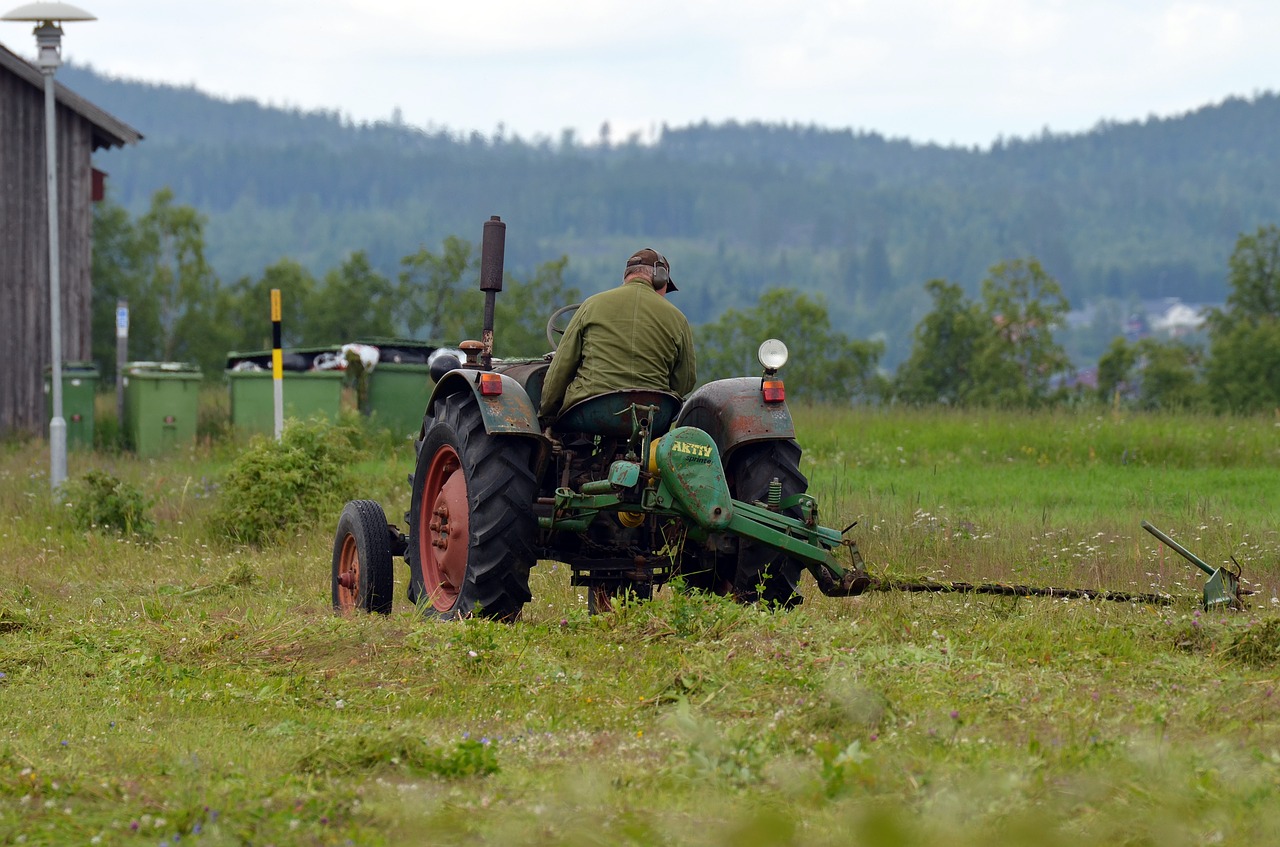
(650, 257)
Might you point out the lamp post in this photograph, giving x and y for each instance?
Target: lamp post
(47, 17)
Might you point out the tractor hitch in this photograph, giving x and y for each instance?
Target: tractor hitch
(854, 581)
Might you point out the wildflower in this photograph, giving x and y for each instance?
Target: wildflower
(955, 715)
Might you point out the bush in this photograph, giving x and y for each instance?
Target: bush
(99, 501)
(275, 488)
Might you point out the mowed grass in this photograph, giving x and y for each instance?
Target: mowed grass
(187, 690)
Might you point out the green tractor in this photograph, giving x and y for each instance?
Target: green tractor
(630, 489)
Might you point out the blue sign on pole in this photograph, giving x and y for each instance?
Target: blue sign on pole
(122, 322)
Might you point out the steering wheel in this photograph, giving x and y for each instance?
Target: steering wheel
(558, 323)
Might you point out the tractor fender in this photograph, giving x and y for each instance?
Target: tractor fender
(733, 413)
(508, 413)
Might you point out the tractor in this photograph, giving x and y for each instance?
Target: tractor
(629, 489)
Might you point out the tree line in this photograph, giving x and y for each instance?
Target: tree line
(1001, 348)
(181, 311)
(1123, 212)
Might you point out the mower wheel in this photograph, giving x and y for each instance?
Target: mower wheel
(471, 520)
(763, 573)
(363, 579)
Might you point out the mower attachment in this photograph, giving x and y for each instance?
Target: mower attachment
(1223, 587)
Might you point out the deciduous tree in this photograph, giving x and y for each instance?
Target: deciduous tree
(1244, 355)
(939, 369)
(824, 363)
(1000, 352)
(1017, 358)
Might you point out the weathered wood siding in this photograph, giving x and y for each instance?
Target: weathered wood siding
(24, 249)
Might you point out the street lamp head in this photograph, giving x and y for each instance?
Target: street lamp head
(48, 12)
(47, 16)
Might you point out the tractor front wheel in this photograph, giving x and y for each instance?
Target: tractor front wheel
(362, 574)
(471, 521)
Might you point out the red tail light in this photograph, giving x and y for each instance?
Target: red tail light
(490, 385)
(773, 391)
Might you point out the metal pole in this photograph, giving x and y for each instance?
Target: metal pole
(493, 249)
(122, 355)
(58, 425)
(1179, 549)
(277, 364)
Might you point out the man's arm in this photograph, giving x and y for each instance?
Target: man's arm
(685, 375)
(564, 365)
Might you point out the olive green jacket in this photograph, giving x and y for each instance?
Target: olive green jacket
(626, 337)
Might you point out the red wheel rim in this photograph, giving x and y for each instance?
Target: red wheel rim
(348, 574)
(444, 529)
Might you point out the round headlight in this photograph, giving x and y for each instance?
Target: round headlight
(772, 354)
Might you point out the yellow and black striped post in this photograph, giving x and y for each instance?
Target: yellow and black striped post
(277, 362)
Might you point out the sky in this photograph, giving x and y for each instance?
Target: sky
(961, 72)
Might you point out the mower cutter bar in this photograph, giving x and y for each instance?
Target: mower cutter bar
(932, 586)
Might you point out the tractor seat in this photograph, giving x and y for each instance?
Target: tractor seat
(606, 414)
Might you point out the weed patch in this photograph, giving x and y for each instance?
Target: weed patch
(99, 501)
(389, 751)
(278, 487)
(1257, 646)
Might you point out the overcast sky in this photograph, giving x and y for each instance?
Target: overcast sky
(965, 71)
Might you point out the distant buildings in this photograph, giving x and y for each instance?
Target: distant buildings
(1163, 317)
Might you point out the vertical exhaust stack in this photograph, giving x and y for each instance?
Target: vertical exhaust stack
(492, 256)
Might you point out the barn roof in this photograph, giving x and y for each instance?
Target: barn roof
(108, 130)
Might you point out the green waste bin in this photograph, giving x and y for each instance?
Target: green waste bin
(79, 385)
(307, 394)
(160, 405)
(397, 396)
(396, 391)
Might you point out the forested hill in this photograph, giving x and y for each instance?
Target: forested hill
(1126, 211)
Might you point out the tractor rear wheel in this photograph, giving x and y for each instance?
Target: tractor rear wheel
(471, 521)
(763, 573)
(363, 579)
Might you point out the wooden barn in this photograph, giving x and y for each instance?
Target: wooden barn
(24, 233)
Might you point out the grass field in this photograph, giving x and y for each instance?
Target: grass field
(186, 690)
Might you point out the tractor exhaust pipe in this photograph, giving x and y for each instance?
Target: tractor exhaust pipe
(492, 256)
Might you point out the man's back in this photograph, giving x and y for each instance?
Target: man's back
(625, 337)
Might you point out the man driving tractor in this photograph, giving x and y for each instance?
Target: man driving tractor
(626, 337)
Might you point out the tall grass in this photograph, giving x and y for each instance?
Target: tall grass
(188, 686)
(1054, 497)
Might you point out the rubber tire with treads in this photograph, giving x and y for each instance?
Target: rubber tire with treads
(496, 491)
(362, 544)
(751, 467)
